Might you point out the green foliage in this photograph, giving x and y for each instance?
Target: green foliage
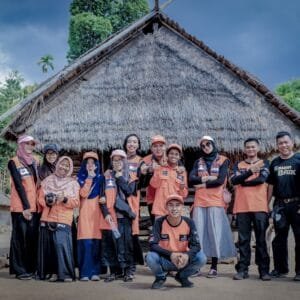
(86, 30)
(11, 92)
(290, 92)
(46, 62)
(92, 21)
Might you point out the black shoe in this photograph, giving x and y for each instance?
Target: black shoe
(158, 283)
(240, 275)
(276, 274)
(265, 277)
(110, 278)
(184, 282)
(24, 276)
(297, 277)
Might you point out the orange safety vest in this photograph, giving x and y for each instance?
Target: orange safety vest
(250, 198)
(166, 181)
(29, 185)
(208, 197)
(134, 201)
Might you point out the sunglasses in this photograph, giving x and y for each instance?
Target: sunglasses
(206, 145)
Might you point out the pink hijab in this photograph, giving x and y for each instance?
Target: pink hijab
(25, 157)
(67, 184)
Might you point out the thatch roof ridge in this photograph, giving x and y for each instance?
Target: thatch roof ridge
(62, 75)
(85, 62)
(272, 98)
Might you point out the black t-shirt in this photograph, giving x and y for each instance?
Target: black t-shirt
(285, 176)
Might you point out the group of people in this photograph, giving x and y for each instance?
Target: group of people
(43, 199)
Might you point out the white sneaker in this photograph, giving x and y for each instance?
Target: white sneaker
(95, 278)
(53, 278)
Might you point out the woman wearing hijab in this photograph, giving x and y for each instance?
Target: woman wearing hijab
(60, 195)
(51, 153)
(91, 183)
(24, 211)
(209, 177)
(118, 252)
(46, 264)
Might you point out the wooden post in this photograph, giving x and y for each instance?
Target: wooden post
(156, 7)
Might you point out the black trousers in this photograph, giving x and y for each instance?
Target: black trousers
(23, 244)
(259, 220)
(291, 212)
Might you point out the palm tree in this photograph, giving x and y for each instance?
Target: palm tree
(46, 62)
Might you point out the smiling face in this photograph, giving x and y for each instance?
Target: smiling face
(29, 146)
(90, 164)
(285, 146)
(63, 168)
(132, 145)
(174, 208)
(51, 156)
(206, 146)
(173, 156)
(117, 162)
(251, 149)
(158, 149)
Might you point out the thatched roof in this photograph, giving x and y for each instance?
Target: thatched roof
(152, 78)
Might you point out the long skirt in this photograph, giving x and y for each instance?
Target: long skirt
(214, 232)
(23, 244)
(62, 239)
(46, 253)
(89, 257)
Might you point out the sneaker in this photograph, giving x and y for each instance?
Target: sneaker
(197, 274)
(240, 275)
(212, 273)
(84, 279)
(158, 283)
(53, 278)
(68, 279)
(265, 277)
(277, 274)
(297, 277)
(24, 276)
(128, 278)
(110, 278)
(95, 278)
(185, 283)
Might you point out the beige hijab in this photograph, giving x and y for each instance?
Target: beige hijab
(67, 184)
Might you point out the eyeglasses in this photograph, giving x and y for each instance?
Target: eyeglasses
(206, 145)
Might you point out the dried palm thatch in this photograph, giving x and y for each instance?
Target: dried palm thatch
(163, 82)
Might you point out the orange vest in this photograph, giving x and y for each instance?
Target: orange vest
(174, 239)
(208, 197)
(89, 214)
(250, 198)
(166, 181)
(110, 195)
(59, 212)
(134, 201)
(150, 191)
(29, 185)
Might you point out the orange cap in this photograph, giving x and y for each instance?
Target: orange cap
(158, 139)
(174, 146)
(174, 197)
(90, 154)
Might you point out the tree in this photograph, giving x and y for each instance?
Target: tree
(46, 62)
(92, 21)
(290, 92)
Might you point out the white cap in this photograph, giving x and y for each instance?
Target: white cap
(206, 138)
(25, 139)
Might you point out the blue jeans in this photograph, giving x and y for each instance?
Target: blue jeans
(160, 265)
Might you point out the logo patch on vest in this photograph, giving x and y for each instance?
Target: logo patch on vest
(24, 172)
(180, 177)
(164, 236)
(183, 237)
(110, 183)
(164, 173)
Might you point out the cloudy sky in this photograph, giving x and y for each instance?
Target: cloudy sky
(261, 36)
